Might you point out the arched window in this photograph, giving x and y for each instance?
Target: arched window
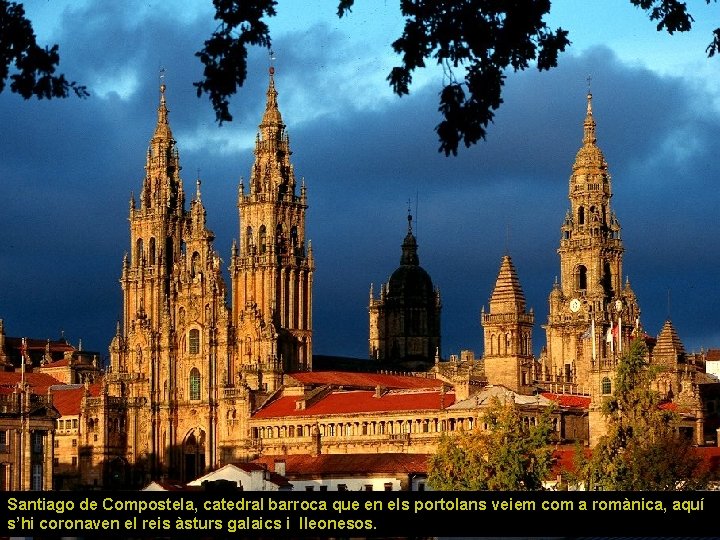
(581, 216)
(261, 239)
(606, 386)
(138, 250)
(152, 251)
(194, 341)
(581, 278)
(194, 384)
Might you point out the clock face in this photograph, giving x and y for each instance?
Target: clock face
(574, 305)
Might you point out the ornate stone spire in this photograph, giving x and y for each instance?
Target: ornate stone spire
(507, 297)
(272, 116)
(162, 187)
(272, 172)
(589, 158)
(589, 124)
(162, 130)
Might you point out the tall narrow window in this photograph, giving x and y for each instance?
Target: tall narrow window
(37, 477)
(248, 240)
(138, 251)
(262, 239)
(582, 278)
(152, 251)
(194, 264)
(581, 216)
(194, 384)
(37, 441)
(194, 341)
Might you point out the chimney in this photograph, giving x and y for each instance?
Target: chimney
(280, 467)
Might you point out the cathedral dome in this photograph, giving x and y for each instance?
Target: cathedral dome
(410, 282)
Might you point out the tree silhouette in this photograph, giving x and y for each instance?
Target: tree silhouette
(481, 38)
(475, 41)
(34, 67)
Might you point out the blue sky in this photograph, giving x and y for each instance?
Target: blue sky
(68, 167)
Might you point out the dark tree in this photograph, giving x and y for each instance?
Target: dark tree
(33, 67)
(480, 39)
(476, 42)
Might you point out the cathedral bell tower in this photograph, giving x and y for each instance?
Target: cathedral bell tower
(170, 349)
(592, 314)
(272, 266)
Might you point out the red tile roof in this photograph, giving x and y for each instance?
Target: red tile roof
(68, 398)
(364, 380)
(564, 458)
(39, 382)
(347, 464)
(57, 363)
(713, 354)
(357, 401)
(568, 400)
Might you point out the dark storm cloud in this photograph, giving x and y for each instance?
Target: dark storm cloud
(68, 169)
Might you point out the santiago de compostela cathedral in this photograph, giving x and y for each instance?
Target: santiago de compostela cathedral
(194, 383)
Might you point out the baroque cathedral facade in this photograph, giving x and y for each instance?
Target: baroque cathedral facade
(186, 369)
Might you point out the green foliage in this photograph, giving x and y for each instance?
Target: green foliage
(642, 449)
(486, 38)
(225, 53)
(482, 39)
(509, 455)
(34, 67)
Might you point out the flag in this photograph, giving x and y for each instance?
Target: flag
(609, 334)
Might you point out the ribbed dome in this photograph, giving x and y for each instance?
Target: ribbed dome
(410, 282)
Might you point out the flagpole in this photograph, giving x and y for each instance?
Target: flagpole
(23, 351)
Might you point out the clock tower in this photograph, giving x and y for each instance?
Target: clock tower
(592, 312)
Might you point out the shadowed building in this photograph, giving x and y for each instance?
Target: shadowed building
(405, 318)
